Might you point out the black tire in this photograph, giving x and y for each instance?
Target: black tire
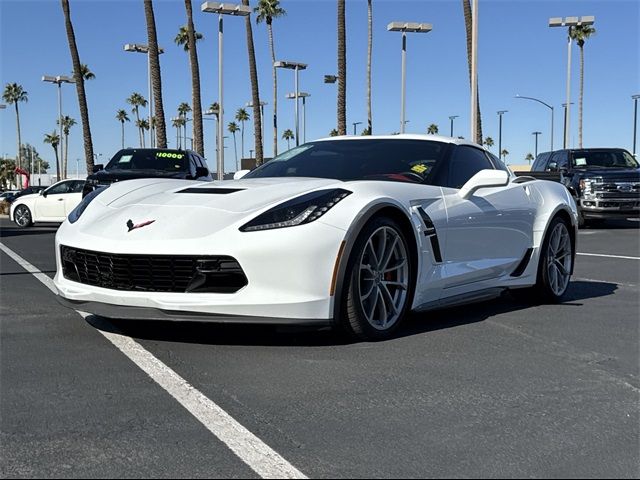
(22, 216)
(581, 221)
(544, 290)
(353, 318)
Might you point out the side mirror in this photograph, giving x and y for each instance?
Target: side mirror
(43, 193)
(484, 179)
(202, 172)
(239, 174)
(97, 168)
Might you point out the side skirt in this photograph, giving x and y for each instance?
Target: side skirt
(472, 297)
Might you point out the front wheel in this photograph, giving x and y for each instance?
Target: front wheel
(22, 216)
(379, 287)
(556, 262)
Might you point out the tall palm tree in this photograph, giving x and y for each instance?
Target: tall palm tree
(288, 136)
(86, 73)
(14, 93)
(182, 37)
(142, 126)
(488, 142)
(190, 46)
(581, 34)
(369, 128)
(178, 123)
(233, 128)
(466, 7)
(136, 100)
(255, 89)
(504, 154)
(121, 116)
(432, 129)
(183, 109)
(53, 139)
(242, 116)
(342, 70)
(333, 133)
(266, 11)
(529, 157)
(67, 123)
(156, 78)
(82, 98)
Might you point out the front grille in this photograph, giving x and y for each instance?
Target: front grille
(153, 273)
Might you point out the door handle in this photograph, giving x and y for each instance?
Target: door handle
(61, 199)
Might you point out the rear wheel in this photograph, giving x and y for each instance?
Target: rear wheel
(22, 216)
(379, 286)
(556, 262)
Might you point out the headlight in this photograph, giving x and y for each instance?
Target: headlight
(300, 210)
(586, 186)
(82, 206)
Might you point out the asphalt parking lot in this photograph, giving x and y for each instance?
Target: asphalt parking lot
(497, 389)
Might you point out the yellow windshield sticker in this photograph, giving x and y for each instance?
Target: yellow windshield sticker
(419, 168)
(169, 155)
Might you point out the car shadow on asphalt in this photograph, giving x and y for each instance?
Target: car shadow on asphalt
(15, 231)
(614, 224)
(263, 335)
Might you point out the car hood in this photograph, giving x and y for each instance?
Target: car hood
(110, 176)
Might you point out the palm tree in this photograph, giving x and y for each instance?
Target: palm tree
(242, 116)
(266, 11)
(156, 78)
(504, 154)
(334, 133)
(433, 129)
(255, 90)
(121, 116)
(581, 34)
(53, 139)
(178, 123)
(466, 7)
(488, 142)
(342, 70)
(142, 126)
(183, 109)
(529, 157)
(136, 100)
(86, 73)
(188, 37)
(14, 93)
(288, 136)
(67, 123)
(233, 128)
(369, 129)
(82, 98)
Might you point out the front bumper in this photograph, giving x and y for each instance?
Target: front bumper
(603, 208)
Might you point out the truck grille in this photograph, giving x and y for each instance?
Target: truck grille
(614, 189)
(153, 273)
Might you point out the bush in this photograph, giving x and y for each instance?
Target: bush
(4, 207)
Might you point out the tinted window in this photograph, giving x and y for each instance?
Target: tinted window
(150, 159)
(540, 162)
(603, 158)
(465, 163)
(76, 187)
(558, 160)
(362, 159)
(59, 188)
(498, 164)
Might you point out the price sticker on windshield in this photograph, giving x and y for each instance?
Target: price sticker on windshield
(169, 155)
(420, 168)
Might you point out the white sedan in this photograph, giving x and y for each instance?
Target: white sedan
(51, 205)
(352, 232)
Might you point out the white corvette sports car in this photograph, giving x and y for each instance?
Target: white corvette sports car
(348, 231)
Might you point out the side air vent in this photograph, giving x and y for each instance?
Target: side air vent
(523, 263)
(430, 232)
(210, 191)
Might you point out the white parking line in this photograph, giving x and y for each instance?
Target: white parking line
(261, 458)
(608, 256)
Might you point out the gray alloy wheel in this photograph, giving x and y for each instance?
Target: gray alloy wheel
(22, 216)
(379, 289)
(558, 259)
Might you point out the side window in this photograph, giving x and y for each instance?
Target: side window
(499, 164)
(465, 163)
(193, 163)
(540, 162)
(59, 188)
(558, 160)
(76, 187)
(563, 160)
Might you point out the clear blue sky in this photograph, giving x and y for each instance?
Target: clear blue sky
(518, 54)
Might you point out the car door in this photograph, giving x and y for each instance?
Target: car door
(489, 232)
(50, 206)
(74, 197)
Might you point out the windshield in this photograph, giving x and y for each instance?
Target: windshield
(603, 159)
(149, 159)
(375, 159)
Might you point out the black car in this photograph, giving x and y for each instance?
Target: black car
(605, 182)
(132, 163)
(25, 191)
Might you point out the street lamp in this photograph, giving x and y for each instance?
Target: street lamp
(569, 22)
(405, 27)
(546, 105)
(500, 113)
(536, 134)
(222, 9)
(297, 67)
(303, 96)
(354, 127)
(59, 80)
(635, 120)
(262, 104)
(452, 117)
(139, 48)
(564, 132)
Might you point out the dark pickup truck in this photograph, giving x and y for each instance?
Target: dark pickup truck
(132, 163)
(605, 182)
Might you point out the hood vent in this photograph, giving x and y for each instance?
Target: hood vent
(210, 191)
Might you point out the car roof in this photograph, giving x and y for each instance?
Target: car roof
(404, 136)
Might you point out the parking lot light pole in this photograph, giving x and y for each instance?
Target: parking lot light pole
(262, 104)
(569, 22)
(500, 113)
(215, 112)
(303, 96)
(297, 66)
(222, 9)
(405, 27)
(546, 105)
(139, 48)
(536, 135)
(452, 118)
(59, 80)
(355, 124)
(635, 120)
